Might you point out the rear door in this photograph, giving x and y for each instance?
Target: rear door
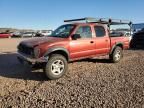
(102, 40)
(84, 46)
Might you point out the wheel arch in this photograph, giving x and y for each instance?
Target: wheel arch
(120, 44)
(58, 50)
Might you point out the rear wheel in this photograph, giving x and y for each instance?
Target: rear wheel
(116, 55)
(56, 66)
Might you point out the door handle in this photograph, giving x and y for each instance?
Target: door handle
(91, 41)
(106, 40)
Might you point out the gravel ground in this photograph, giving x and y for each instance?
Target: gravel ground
(91, 83)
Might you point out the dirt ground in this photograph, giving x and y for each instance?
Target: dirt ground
(91, 83)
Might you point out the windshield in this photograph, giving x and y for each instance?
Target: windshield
(63, 31)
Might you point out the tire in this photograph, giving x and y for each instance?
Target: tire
(116, 55)
(56, 66)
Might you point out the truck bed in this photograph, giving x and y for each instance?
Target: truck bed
(120, 39)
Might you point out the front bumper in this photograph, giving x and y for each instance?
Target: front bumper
(23, 57)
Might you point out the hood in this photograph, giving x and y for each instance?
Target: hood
(37, 41)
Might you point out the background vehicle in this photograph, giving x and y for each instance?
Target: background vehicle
(5, 35)
(138, 40)
(17, 34)
(72, 42)
(42, 33)
(28, 34)
(128, 34)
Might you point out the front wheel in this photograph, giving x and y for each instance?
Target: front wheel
(56, 66)
(116, 55)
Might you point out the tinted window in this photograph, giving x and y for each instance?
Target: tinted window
(100, 31)
(84, 31)
(63, 31)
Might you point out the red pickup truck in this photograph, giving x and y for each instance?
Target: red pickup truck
(71, 42)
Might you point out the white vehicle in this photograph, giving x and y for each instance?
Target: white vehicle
(45, 32)
(128, 34)
(16, 34)
(28, 34)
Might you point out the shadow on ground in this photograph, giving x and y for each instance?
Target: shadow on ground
(10, 67)
(98, 60)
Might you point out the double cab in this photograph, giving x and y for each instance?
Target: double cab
(70, 42)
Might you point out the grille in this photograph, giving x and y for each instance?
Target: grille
(25, 49)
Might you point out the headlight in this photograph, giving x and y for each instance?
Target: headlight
(36, 52)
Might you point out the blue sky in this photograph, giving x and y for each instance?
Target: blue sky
(48, 14)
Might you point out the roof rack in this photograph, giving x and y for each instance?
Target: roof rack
(101, 20)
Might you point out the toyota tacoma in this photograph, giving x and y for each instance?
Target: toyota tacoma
(74, 41)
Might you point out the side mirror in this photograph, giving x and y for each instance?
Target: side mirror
(76, 36)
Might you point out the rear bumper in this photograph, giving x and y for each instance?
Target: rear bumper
(22, 57)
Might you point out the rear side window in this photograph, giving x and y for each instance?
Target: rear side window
(84, 31)
(100, 31)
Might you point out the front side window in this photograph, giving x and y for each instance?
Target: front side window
(84, 31)
(100, 31)
(63, 31)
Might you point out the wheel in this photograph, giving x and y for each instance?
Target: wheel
(116, 55)
(56, 66)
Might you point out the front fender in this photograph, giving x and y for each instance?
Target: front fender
(58, 50)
